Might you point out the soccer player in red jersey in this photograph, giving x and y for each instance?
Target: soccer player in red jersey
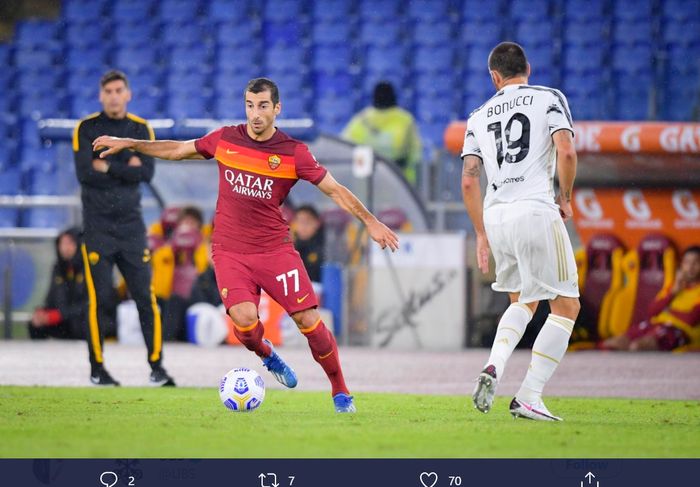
(251, 246)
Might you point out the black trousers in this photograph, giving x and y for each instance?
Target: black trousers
(100, 255)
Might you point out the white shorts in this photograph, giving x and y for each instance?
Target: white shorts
(532, 251)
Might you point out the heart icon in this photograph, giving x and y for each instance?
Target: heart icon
(428, 479)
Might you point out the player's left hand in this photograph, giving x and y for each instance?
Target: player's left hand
(100, 166)
(112, 144)
(565, 209)
(482, 253)
(383, 235)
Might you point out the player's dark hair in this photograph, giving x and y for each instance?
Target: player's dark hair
(508, 59)
(258, 85)
(693, 249)
(308, 209)
(384, 95)
(113, 75)
(191, 211)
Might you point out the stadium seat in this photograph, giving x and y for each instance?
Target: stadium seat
(475, 11)
(433, 60)
(235, 60)
(179, 11)
(186, 59)
(183, 35)
(9, 217)
(331, 34)
(582, 59)
(285, 59)
(237, 34)
(136, 58)
(331, 10)
(486, 34)
(379, 10)
(283, 10)
(338, 83)
(11, 181)
(84, 59)
(584, 10)
(286, 33)
(131, 10)
(584, 33)
(187, 105)
(231, 84)
(632, 106)
(380, 34)
(34, 33)
(477, 58)
(290, 83)
(686, 35)
(138, 34)
(58, 218)
(228, 11)
(601, 280)
(34, 59)
(294, 106)
(647, 270)
(432, 134)
(79, 11)
(681, 10)
(632, 10)
(435, 109)
(384, 59)
(146, 106)
(632, 33)
(41, 105)
(229, 107)
(531, 9)
(431, 83)
(334, 110)
(429, 12)
(432, 34)
(638, 59)
(534, 34)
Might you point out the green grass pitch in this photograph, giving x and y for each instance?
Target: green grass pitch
(38, 422)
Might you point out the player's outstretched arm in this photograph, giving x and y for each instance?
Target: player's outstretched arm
(471, 193)
(344, 198)
(566, 169)
(173, 150)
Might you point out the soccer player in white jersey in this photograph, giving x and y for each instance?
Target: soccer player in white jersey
(520, 136)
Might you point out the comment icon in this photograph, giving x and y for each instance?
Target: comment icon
(108, 479)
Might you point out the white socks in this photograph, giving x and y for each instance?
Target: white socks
(510, 330)
(547, 352)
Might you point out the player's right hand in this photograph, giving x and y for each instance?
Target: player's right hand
(482, 253)
(565, 209)
(112, 144)
(383, 235)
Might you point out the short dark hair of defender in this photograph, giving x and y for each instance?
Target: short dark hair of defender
(508, 59)
(113, 75)
(384, 95)
(258, 85)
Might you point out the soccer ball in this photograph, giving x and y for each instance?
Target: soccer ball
(242, 389)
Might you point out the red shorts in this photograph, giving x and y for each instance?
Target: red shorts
(280, 273)
(667, 337)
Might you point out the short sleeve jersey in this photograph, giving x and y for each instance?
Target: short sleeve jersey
(254, 179)
(512, 134)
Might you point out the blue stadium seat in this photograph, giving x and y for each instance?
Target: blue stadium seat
(331, 10)
(686, 34)
(183, 35)
(543, 76)
(638, 59)
(681, 10)
(379, 10)
(230, 107)
(486, 34)
(80, 11)
(138, 34)
(632, 10)
(435, 109)
(380, 34)
(36, 158)
(332, 59)
(81, 106)
(41, 105)
(189, 58)
(11, 181)
(187, 81)
(283, 10)
(479, 83)
(9, 217)
(430, 83)
(583, 58)
(632, 96)
(84, 59)
(384, 59)
(432, 134)
(429, 11)
(335, 84)
(84, 35)
(34, 33)
(285, 59)
(58, 218)
(433, 34)
(34, 59)
(228, 11)
(143, 81)
(35, 82)
(632, 33)
(190, 105)
(81, 81)
(477, 11)
(584, 10)
(179, 11)
(291, 84)
(331, 34)
(5, 54)
(237, 34)
(136, 58)
(294, 107)
(228, 85)
(146, 106)
(678, 62)
(131, 10)
(534, 33)
(584, 34)
(477, 58)
(42, 181)
(286, 33)
(679, 105)
(237, 59)
(541, 57)
(531, 9)
(433, 59)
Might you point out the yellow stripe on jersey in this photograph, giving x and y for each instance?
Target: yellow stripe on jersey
(76, 130)
(136, 118)
(92, 308)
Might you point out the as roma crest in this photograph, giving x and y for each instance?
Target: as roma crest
(274, 162)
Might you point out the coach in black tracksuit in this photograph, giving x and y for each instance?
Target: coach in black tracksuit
(114, 232)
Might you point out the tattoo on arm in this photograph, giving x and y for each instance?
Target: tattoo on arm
(567, 195)
(471, 168)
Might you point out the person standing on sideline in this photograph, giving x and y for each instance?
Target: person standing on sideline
(251, 244)
(520, 136)
(389, 129)
(114, 231)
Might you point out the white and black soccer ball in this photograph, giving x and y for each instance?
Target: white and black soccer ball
(242, 390)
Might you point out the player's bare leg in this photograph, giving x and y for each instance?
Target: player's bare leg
(548, 350)
(324, 350)
(511, 328)
(249, 330)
